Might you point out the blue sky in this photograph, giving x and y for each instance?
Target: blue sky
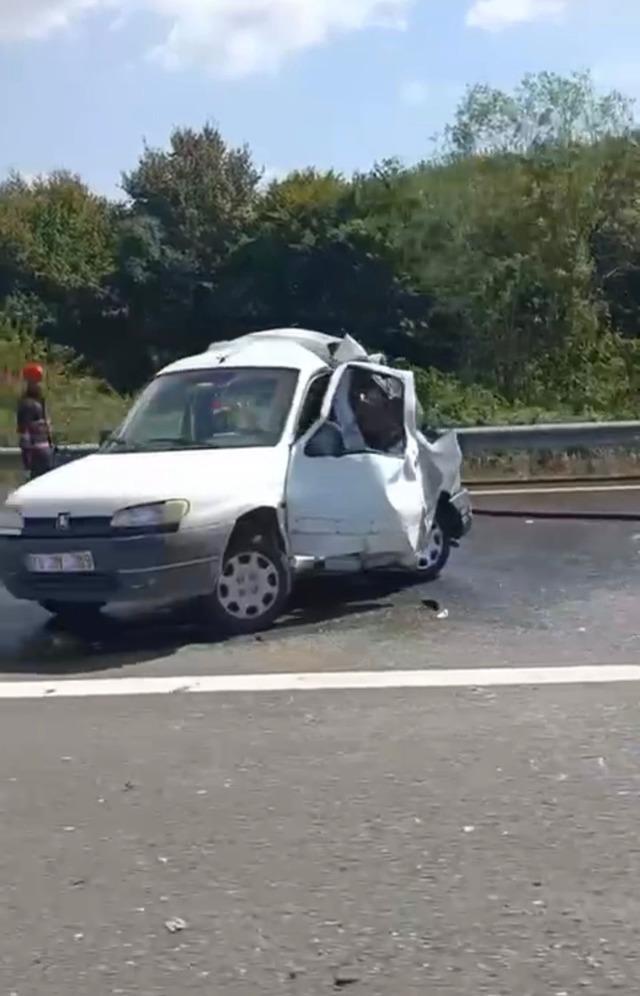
(334, 83)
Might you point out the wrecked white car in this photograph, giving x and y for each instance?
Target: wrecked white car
(278, 453)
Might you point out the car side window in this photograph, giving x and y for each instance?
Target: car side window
(312, 405)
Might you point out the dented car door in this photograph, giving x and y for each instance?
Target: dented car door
(354, 486)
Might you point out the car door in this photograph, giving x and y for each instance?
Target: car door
(368, 500)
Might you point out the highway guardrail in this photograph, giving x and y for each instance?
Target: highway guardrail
(554, 438)
(11, 459)
(481, 441)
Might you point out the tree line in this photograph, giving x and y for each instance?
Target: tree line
(505, 268)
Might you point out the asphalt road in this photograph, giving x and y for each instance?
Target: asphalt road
(470, 841)
(519, 592)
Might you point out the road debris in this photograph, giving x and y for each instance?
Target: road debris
(434, 606)
(345, 977)
(176, 924)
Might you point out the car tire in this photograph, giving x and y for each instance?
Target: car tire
(253, 588)
(434, 557)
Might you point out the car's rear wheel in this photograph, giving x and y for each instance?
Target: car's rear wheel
(253, 588)
(434, 556)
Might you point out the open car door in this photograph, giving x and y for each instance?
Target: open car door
(354, 486)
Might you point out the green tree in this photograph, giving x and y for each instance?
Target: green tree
(190, 206)
(615, 237)
(507, 270)
(202, 192)
(312, 261)
(502, 247)
(56, 254)
(153, 307)
(545, 110)
(55, 235)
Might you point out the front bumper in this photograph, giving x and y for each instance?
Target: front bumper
(155, 569)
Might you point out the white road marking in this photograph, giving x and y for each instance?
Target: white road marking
(319, 682)
(569, 490)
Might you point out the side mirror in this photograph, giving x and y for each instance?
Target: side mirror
(326, 442)
(105, 436)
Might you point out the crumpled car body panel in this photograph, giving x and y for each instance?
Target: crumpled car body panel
(378, 507)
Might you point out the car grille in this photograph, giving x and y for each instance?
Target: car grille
(80, 527)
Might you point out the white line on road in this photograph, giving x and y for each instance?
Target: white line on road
(320, 682)
(569, 490)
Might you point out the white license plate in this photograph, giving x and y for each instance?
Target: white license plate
(61, 563)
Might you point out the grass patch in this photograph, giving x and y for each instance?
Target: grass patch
(510, 468)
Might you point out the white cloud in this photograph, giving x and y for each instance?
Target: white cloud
(229, 38)
(239, 37)
(494, 15)
(38, 18)
(414, 93)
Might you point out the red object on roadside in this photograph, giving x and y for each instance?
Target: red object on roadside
(33, 373)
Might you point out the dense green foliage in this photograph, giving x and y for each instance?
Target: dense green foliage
(506, 269)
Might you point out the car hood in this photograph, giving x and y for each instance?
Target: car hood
(209, 480)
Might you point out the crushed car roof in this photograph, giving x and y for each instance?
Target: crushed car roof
(300, 349)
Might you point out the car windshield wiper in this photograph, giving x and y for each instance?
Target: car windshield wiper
(118, 443)
(178, 444)
(125, 446)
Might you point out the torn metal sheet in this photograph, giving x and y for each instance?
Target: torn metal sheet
(367, 503)
(440, 468)
(332, 350)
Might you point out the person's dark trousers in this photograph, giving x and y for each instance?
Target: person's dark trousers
(41, 463)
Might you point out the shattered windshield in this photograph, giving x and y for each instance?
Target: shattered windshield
(222, 408)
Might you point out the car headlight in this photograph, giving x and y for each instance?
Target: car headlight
(11, 521)
(162, 516)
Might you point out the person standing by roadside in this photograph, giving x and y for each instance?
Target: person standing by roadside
(33, 427)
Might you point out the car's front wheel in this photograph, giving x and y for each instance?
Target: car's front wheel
(253, 588)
